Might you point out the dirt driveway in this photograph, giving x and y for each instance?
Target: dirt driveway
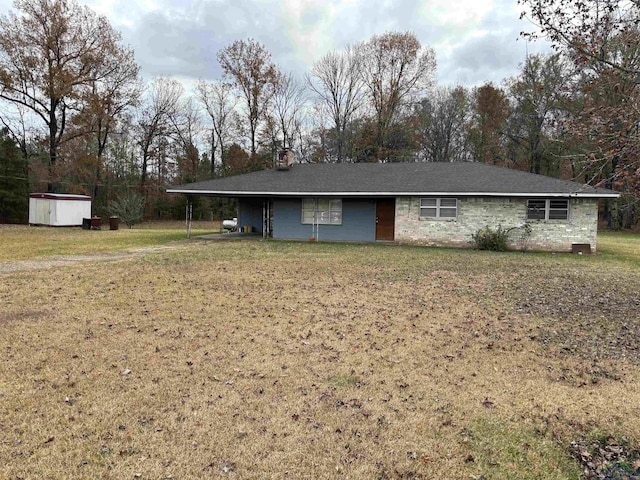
(66, 260)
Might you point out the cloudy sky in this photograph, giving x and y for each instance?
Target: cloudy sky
(475, 40)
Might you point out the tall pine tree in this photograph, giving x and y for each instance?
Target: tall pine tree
(14, 182)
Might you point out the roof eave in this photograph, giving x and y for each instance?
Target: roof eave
(241, 193)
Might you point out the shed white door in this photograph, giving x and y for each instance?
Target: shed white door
(42, 212)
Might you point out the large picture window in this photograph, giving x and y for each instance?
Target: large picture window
(438, 208)
(322, 211)
(541, 209)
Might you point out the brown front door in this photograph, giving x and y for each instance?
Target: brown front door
(385, 218)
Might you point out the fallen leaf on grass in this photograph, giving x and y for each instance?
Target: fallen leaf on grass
(488, 403)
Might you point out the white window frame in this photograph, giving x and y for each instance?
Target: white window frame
(438, 208)
(331, 215)
(548, 209)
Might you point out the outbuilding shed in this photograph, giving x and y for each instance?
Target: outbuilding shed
(58, 210)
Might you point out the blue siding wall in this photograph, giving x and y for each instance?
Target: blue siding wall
(358, 221)
(250, 213)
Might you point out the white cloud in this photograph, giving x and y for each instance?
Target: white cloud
(475, 40)
(457, 13)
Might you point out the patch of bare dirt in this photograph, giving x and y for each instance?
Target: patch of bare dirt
(57, 261)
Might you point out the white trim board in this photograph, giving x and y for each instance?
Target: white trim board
(242, 193)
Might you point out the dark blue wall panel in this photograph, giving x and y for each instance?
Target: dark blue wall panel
(358, 221)
(250, 213)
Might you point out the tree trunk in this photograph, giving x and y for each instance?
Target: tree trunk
(102, 136)
(253, 141)
(213, 152)
(52, 186)
(97, 183)
(223, 162)
(143, 175)
(341, 134)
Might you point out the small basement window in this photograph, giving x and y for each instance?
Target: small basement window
(540, 209)
(438, 208)
(322, 211)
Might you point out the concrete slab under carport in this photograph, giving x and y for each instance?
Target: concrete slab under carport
(232, 236)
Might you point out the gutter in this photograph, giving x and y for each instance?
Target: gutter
(244, 193)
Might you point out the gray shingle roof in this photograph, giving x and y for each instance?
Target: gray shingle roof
(391, 179)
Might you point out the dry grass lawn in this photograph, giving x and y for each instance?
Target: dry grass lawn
(293, 360)
(18, 242)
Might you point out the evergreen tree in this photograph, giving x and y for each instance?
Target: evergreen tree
(14, 182)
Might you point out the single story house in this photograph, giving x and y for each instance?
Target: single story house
(422, 203)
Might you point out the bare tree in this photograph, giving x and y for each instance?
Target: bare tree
(15, 122)
(187, 125)
(219, 104)
(486, 130)
(538, 95)
(442, 119)
(270, 133)
(49, 54)
(248, 65)
(396, 71)
(154, 118)
(302, 140)
(584, 29)
(115, 88)
(316, 148)
(338, 84)
(287, 104)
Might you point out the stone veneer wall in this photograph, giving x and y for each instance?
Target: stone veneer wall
(476, 213)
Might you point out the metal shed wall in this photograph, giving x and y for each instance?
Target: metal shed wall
(58, 210)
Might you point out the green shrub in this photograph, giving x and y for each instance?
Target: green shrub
(495, 240)
(129, 208)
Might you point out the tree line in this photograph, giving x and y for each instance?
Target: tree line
(76, 116)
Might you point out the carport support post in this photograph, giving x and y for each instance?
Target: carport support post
(188, 216)
(265, 213)
(222, 203)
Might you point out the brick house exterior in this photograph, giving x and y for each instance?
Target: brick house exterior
(476, 213)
